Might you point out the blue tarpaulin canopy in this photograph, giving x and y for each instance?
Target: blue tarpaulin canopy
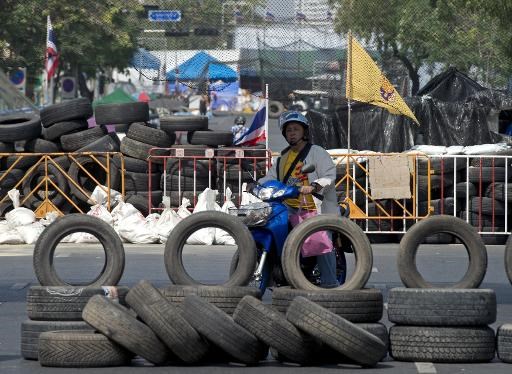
(143, 60)
(202, 66)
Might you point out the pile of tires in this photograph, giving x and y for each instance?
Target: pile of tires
(442, 325)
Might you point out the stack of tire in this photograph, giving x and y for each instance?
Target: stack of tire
(59, 308)
(16, 128)
(191, 175)
(233, 172)
(442, 324)
(486, 209)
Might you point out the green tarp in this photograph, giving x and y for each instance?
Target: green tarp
(115, 97)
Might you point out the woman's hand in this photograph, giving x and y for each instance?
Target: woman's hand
(306, 190)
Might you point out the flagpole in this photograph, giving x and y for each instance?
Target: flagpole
(266, 116)
(349, 82)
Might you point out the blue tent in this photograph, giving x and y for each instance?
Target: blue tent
(143, 60)
(203, 66)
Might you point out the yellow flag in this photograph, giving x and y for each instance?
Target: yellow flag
(366, 83)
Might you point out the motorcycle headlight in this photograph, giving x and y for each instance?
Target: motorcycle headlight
(265, 193)
(278, 194)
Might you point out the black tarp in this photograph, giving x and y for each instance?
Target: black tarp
(452, 110)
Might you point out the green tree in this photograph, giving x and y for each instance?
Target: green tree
(91, 35)
(461, 33)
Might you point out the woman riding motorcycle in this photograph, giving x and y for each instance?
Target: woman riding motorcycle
(295, 128)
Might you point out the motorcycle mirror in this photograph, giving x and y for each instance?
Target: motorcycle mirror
(306, 169)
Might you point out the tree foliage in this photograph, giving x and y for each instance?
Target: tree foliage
(471, 35)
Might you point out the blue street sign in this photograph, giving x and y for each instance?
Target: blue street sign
(164, 15)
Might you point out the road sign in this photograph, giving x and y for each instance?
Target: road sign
(164, 15)
(18, 77)
(68, 87)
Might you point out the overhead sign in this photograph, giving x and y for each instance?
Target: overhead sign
(164, 15)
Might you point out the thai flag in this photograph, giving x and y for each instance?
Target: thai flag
(256, 132)
(269, 16)
(52, 54)
(300, 16)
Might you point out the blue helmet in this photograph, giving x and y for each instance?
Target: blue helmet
(292, 116)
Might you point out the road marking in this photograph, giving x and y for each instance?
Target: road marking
(375, 270)
(15, 254)
(425, 368)
(62, 255)
(19, 286)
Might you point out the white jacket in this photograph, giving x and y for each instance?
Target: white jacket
(324, 175)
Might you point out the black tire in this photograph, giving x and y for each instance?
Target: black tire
(210, 137)
(44, 249)
(30, 331)
(149, 135)
(468, 235)
(504, 343)
(460, 190)
(80, 349)
(156, 196)
(508, 258)
(442, 344)
(140, 181)
(67, 110)
(76, 173)
(488, 162)
(126, 113)
(72, 142)
(360, 243)
(174, 183)
(487, 206)
(6, 147)
(336, 332)
(354, 305)
(483, 220)
(224, 298)
(174, 247)
(219, 328)
(107, 143)
(136, 165)
(116, 322)
(58, 129)
(19, 127)
(66, 303)
(497, 191)
(167, 322)
(34, 178)
(272, 328)
(488, 174)
(136, 149)
(184, 123)
(275, 109)
(439, 165)
(41, 146)
(440, 206)
(19, 161)
(11, 179)
(442, 307)
(203, 168)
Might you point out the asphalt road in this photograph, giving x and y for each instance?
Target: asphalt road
(440, 264)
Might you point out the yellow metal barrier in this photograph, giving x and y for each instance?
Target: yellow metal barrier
(45, 183)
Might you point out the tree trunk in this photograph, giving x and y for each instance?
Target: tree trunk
(413, 71)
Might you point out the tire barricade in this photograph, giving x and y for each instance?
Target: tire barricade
(61, 182)
(187, 171)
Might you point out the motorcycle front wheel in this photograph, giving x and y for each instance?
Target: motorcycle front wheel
(291, 259)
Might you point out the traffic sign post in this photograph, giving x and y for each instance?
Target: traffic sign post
(164, 15)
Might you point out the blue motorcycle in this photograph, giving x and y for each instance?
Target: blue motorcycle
(269, 225)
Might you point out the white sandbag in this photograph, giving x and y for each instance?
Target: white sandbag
(49, 218)
(135, 229)
(485, 149)
(221, 236)
(205, 201)
(430, 149)
(122, 210)
(9, 235)
(30, 233)
(19, 216)
(183, 211)
(455, 150)
(248, 198)
(99, 196)
(168, 220)
(98, 211)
